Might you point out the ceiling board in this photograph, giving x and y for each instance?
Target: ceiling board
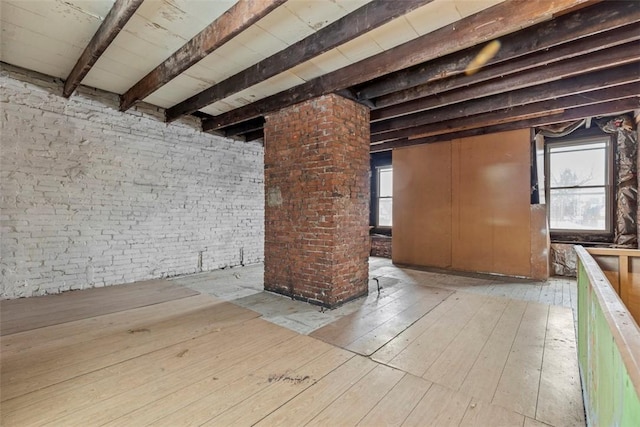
(432, 16)
(49, 35)
(393, 33)
(360, 48)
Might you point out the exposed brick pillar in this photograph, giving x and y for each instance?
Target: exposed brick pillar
(317, 201)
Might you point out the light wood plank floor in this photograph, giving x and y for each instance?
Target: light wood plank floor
(449, 358)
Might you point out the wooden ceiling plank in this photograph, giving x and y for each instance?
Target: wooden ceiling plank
(504, 18)
(560, 53)
(594, 110)
(240, 128)
(583, 23)
(118, 16)
(542, 108)
(540, 92)
(254, 135)
(239, 17)
(619, 55)
(362, 20)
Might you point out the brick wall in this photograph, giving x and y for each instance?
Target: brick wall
(381, 246)
(91, 197)
(317, 200)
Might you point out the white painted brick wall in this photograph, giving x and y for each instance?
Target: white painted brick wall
(91, 197)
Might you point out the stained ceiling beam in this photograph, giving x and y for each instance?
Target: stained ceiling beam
(619, 55)
(582, 83)
(239, 17)
(253, 135)
(362, 20)
(240, 128)
(402, 102)
(499, 20)
(533, 110)
(598, 109)
(118, 16)
(583, 23)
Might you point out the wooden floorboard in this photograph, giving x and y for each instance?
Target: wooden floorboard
(396, 406)
(420, 354)
(211, 397)
(441, 406)
(74, 305)
(519, 383)
(453, 364)
(27, 373)
(364, 333)
(304, 407)
(482, 379)
(75, 332)
(358, 400)
(281, 389)
(439, 357)
(560, 395)
(479, 413)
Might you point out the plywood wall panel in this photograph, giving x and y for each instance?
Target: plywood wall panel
(540, 243)
(465, 205)
(422, 205)
(491, 193)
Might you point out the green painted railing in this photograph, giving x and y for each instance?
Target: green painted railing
(608, 350)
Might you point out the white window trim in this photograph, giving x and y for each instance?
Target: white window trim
(609, 196)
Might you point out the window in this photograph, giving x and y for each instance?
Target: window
(579, 185)
(384, 215)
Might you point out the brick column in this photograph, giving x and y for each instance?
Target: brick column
(317, 201)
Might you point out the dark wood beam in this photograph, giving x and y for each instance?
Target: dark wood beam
(240, 128)
(560, 53)
(118, 16)
(239, 17)
(619, 55)
(537, 109)
(362, 20)
(629, 73)
(349, 94)
(599, 109)
(253, 135)
(488, 24)
(586, 22)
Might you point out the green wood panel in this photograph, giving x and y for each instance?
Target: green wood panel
(610, 396)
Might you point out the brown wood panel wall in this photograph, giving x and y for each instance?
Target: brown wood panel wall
(422, 205)
(465, 204)
(491, 199)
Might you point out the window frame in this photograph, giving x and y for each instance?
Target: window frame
(581, 139)
(379, 197)
(381, 159)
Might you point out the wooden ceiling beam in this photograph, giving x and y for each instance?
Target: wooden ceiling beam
(240, 128)
(499, 20)
(624, 74)
(116, 19)
(583, 23)
(619, 55)
(239, 17)
(598, 109)
(254, 135)
(548, 62)
(533, 110)
(362, 20)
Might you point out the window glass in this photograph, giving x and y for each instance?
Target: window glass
(386, 182)
(385, 213)
(580, 166)
(385, 197)
(579, 196)
(578, 209)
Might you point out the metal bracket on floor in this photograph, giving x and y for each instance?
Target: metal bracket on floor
(378, 283)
